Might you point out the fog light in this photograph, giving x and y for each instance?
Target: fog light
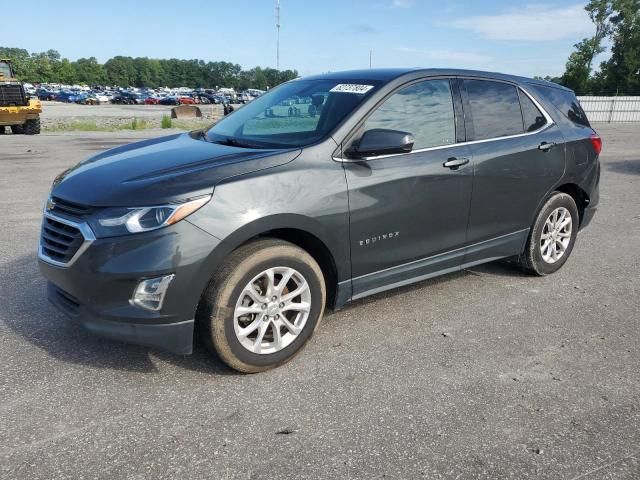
(150, 293)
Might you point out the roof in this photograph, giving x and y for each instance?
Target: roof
(388, 74)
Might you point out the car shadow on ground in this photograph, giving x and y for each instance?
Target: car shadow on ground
(28, 313)
(626, 167)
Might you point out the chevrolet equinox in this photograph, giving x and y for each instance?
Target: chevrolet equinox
(322, 191)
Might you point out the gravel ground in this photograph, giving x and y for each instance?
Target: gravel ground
(57, 114)
(482, 374)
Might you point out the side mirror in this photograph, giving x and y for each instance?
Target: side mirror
(381, 141)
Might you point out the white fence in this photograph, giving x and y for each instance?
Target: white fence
(611, 109)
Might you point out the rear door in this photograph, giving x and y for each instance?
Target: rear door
(409, 212)
(519, 156)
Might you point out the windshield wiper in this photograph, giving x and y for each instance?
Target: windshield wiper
(234, 142)
(202, 135)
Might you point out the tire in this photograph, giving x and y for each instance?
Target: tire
(227, 291)
(561, 242)
(32, 127)
(17, 129)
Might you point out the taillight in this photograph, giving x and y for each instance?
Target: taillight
(596, 141)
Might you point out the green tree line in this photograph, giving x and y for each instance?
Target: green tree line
(51, 67)
(617, 25)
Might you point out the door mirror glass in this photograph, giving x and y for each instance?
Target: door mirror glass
(381, 141)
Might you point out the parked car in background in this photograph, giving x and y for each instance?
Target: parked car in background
(243, 98)
(169, 100)
(47, 95)
(186, 100)
(127, 98)
(152, 100)
(66, 96)
(97, 98)
(221, 99)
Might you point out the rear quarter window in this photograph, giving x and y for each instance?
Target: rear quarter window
(532, 116)
(566, 102)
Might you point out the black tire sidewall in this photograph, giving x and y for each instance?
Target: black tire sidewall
(317, 301)
(537, 262)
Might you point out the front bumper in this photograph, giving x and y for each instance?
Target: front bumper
(173, 337)
(95, 290)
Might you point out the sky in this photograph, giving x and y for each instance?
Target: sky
(510, 36)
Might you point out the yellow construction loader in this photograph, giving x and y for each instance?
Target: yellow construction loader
(17, 110)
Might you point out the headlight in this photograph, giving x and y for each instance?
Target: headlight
(121, 221)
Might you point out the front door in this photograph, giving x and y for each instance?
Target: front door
(409, 212)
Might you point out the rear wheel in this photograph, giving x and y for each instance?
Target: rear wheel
(32, 127)
(17, 129)
(262, 305)
(552, 236)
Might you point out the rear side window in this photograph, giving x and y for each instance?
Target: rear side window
(532, 116)
(566, 102)
(495, 109)
(423, 109)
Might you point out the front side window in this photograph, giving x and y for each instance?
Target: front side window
(423, 109)
(294, 114)
(495, 109)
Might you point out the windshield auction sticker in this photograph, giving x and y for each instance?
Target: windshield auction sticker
(351, 88)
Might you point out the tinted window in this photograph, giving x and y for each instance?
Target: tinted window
(295, 113)
(424, 109)
(495, 109)
(566, 102)
(532, 116)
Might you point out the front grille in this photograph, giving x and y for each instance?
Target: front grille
(12, 95)
(69, 208)
(60, 241)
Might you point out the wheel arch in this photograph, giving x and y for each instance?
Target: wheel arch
(314, 247)
(578, 194)
(301, 231)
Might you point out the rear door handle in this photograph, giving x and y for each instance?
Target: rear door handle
(454, 163)
(546, 146)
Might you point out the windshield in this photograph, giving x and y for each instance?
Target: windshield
(294, 114)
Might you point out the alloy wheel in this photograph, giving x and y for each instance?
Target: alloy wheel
(556, 235)
(272, 310)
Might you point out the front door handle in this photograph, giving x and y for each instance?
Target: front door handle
(454, 163)
(546, 146)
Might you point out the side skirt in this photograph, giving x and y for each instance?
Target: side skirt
(423, 269)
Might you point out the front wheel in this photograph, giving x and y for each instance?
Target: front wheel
(262, 305)
(552, 236)
(32, 127)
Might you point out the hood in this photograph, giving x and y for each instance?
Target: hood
(160, 170)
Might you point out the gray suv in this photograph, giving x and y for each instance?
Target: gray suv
(246, 231)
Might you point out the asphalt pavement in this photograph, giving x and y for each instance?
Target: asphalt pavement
(486, 373)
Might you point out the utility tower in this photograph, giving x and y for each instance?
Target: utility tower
(278, 35)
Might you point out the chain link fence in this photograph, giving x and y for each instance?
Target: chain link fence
(611, 109)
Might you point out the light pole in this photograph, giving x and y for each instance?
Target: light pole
(278, 35)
